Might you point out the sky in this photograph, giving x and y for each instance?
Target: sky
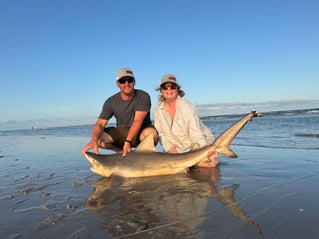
(58, 59)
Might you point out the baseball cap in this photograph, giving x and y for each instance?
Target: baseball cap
(124, 72)
(169, 78)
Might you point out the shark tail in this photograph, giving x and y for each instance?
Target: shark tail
(228, 152)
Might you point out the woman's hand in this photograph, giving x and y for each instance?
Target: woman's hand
(173, 149)
(213, 160)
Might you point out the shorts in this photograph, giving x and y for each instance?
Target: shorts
(119, 135)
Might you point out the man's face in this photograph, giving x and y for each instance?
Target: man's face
(126, 85)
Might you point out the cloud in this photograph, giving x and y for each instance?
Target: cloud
(244, 107)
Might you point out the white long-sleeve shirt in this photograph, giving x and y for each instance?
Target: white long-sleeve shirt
(186, 130)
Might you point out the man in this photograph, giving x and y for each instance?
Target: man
(131, 108)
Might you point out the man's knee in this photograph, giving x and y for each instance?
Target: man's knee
(105, 140)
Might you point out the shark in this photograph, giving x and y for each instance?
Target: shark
(147, 161)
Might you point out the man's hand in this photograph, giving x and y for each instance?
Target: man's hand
(91, 145)
(126, 148)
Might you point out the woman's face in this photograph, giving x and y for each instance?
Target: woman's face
(169, 91)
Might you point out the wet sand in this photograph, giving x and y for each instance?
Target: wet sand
(47, 191)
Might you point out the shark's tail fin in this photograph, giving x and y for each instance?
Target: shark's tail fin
(223, 141)
(227, 152)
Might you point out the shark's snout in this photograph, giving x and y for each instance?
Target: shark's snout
(91, 160)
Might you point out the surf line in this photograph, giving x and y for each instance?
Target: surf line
(266, 189)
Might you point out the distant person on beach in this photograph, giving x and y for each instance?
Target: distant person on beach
(178, 124)
(131, 108)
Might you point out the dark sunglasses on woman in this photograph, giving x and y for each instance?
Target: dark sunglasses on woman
(171, 86)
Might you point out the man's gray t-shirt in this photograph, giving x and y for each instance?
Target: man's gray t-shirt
(124, 110)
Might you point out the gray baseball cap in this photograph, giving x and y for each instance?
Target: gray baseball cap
(123, 72)
(169, 78)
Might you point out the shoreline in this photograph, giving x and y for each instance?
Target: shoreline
(48, 180)
(5, 125)
(270, 191)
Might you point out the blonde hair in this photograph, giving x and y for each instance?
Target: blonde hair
(161, 98)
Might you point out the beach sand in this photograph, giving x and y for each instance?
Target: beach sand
(47, 191)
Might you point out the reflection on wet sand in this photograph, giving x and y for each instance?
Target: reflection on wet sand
(141, 207)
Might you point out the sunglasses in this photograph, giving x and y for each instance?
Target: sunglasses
(123, 80)
(171, 86)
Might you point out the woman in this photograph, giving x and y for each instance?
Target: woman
(178, 124)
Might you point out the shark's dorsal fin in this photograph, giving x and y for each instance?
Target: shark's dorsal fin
(147, 145)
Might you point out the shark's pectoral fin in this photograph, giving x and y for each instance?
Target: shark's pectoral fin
(207, 160)
(226, 151)
(101, 172)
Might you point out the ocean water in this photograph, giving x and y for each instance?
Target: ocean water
(269, 191)
(294, 129)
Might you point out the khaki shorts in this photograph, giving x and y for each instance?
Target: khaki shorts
(119, 135)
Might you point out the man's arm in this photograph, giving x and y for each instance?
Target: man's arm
(136, 126)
